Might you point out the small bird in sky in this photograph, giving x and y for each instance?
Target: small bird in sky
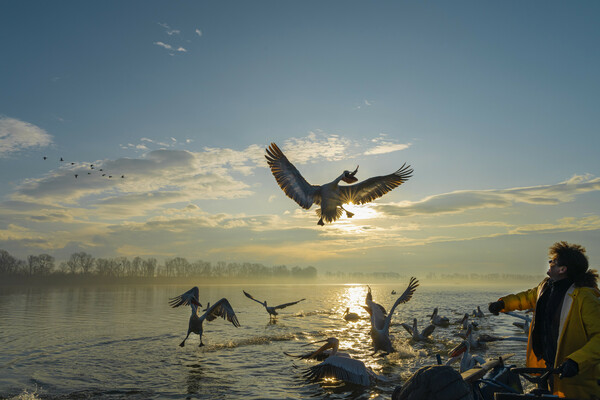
(330, 196)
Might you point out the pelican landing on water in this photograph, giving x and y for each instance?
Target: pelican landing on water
(221, 308)
(380, 323)
(330, 196)
(271, 310)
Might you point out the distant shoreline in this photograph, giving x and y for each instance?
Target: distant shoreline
(70, 280)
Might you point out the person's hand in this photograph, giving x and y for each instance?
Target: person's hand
(568, 369)
(496, 306)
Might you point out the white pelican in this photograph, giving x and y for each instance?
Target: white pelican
(339, 366)
(524, 326)
(468, 360)
(330, 196)
(380, 324)
(221, 308)
(468, 336)
(271, 310)
(350, 316)
(465, 323)
(416, 334)
(478, 313)
(436, 319)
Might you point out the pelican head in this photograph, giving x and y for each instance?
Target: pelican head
(330, 343)
(347, 311)
(349, 177)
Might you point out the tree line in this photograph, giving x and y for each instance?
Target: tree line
(82, 263)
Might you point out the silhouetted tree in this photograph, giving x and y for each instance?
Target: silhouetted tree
(8, 263)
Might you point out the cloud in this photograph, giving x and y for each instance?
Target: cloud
(169, 47)
(198, 32)
(314, 147)
(16, 135)
(168, 30)
(383, 146)
(461, 201)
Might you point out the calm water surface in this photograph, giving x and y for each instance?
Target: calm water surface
(122, 342)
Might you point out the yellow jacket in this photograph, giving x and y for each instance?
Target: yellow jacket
(579, 337)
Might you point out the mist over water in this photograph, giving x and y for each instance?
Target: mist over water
(122, 342)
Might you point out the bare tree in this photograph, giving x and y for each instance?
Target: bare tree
(80, 262)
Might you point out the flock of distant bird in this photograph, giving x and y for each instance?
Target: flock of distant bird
(91, 167)
(339, 365)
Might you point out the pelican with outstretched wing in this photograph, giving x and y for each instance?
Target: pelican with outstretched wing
(330, 196)
(380, 328)
(340, 366)
(416, 334)
(221, 308)
(271, 309)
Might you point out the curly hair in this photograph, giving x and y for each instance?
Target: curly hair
(571, 256)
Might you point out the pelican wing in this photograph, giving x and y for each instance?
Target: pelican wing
(406, 296)
(287, 304)
(187, 299)
(290, 180)
(408, 328)
(373, 188)
(222, 309)
(342, 368)
(429, 330)
(248, 295)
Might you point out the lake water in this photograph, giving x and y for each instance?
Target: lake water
(119, 342)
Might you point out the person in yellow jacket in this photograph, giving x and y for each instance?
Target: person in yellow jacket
(565, 331)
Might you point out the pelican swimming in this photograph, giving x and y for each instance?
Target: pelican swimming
(340, 366)
(478, 313)
(416, 334)
(330, 196)
(524, 326)
(436, 319)
(467, 360)
(221, 308)
(465, 323)
(271, 310)
(380, 323)
(350, 316)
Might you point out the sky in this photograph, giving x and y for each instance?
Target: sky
(493, 104)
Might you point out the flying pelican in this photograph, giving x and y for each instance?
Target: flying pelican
(468, 360)
(271, 310)
(350, 317)
(522, 325)
(221, 308)
(330, 196)
(339, 366)
(416, 334)
(380, 323)
(437, 320)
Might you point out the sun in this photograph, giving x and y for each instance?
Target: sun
(364, 211)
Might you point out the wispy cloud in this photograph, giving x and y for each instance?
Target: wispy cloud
(16, 135)
(198, 32)
(170, 48)
(168, 30)
(384, 145)
(461, 201)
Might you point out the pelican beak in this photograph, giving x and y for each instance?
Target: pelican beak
(318, 341)
(458, 350)
(349, 176)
